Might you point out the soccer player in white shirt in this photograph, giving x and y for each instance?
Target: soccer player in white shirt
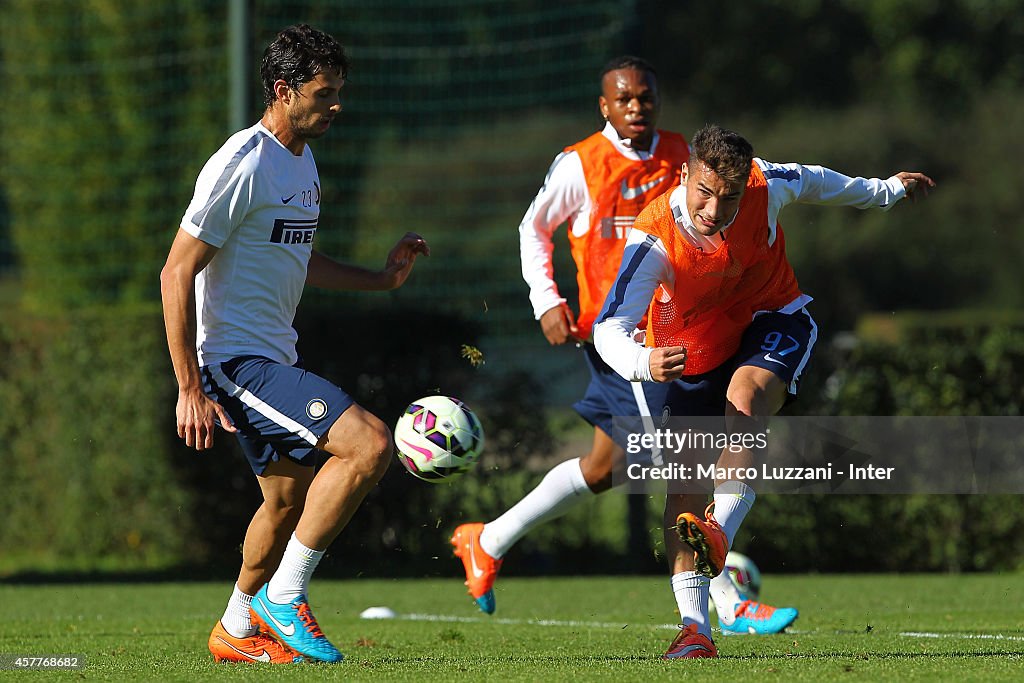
(230, 288)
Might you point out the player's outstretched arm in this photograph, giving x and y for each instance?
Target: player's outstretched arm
(916, 184)
(330, 274)
(196, 414)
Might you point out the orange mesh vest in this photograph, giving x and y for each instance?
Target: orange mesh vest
(619, 188)
(716, 295)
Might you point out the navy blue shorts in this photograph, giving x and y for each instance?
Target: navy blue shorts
(279, 410)
(610, 396)
(779, 342)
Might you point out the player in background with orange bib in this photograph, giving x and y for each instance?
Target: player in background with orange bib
(598, 186)
(727, 331)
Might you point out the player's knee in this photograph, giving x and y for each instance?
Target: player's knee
(363, 441)
(376, 450)
(597, 473)
(385, 448)
(755, 400)
(284, 513)
(743, 399)
(756, 392)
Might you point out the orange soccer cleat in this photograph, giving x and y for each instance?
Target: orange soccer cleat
(710, 546)
(481, 568)
(690, 644)
(257, 648)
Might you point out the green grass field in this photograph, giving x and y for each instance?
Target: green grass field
(851, 628)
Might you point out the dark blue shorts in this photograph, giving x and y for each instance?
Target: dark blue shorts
(779, 342)
(610, 396)
(279, 410)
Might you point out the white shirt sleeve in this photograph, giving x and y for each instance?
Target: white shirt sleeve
(645, 265)
(222, 198)
(791, 183)
(563, 194)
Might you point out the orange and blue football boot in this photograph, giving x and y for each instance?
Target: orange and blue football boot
(759, 619)
(690, 644)
(481, 568)
(705, 536)
(294, 626)
(256, 648)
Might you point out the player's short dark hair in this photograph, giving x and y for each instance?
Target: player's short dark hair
(725, 152)
(627, 62)
(297, 55)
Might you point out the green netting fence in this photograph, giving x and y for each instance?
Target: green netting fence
(453, 111)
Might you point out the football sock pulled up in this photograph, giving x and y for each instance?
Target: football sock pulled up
(733, 500)
(292, 576)
(561, 489)
(236, 620)
(726, 597)
(691, 592)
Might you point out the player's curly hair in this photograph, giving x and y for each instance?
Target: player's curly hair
(627, 62)
(725, 152)
(297, 55)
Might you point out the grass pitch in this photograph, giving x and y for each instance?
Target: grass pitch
(851, 628)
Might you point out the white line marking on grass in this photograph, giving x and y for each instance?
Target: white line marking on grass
(959, 636)
(574, 623)
(570, 623)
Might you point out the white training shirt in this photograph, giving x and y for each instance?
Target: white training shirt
(259, 205)
(787, 184)
(564, 195)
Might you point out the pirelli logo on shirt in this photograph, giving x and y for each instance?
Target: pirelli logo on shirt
(288, 231)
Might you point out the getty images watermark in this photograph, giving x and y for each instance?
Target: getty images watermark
(845, 455)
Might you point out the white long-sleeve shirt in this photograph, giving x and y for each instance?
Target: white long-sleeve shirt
(563, 195)
(646, 264)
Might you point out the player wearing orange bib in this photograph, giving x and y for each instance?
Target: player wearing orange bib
(598, 186)
(618, 188)
(727, 332)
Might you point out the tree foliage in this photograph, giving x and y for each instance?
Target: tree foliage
(453, 113)
(95, 172)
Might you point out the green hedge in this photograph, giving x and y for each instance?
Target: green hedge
(97, 479)
(954, 364)
(88, 480)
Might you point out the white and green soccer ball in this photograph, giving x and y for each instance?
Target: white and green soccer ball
(438, 437)
(744, 574)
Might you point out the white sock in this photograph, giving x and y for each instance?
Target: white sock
(561, 489)
(691, 591)
(292, 576)
(725, 597)
(733, 500)
(236, 620)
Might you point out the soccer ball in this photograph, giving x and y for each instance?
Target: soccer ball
(744, 574)
(438, 437)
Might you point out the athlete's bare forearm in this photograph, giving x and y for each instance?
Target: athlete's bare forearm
(330, 274)
(177, 294)
(195, 413)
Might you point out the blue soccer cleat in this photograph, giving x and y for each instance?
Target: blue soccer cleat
(294, 626)
(759, 619)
